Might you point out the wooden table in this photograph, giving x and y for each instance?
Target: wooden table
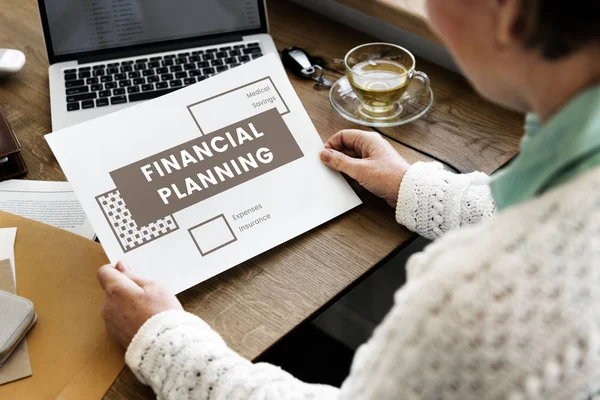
(410, 15)
(258, 302)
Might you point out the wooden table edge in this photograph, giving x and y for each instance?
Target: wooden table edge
(410, 17)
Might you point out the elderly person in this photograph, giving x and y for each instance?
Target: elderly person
(506, 303)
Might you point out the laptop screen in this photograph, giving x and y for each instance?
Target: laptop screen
(77, 26)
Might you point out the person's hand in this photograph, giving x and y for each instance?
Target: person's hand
(369, 159)
(130, 301)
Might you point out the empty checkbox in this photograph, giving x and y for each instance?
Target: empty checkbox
(212, 235)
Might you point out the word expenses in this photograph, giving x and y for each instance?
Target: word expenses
(216, 174)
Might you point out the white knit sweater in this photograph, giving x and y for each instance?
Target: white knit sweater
(508, 308)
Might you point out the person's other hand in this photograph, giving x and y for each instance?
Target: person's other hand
(130, 301)
(369, 159)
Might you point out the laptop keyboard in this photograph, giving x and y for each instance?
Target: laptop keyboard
(147, 78)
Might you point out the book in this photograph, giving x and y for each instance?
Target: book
(52, 203)
(186, 186)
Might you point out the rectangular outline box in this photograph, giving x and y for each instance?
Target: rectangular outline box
(216, 248)
(235, 90)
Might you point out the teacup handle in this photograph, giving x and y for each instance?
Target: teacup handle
(419, 84)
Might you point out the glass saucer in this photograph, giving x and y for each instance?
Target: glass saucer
(344, 101)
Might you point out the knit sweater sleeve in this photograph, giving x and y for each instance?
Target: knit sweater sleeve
(503, 310)
(181, 357)
(410, 356)
(433, 201)
(435, 340)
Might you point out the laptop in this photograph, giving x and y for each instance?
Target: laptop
(106, 55)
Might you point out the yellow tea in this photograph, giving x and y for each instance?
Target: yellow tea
(379, 84)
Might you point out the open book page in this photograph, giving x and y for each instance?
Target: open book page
(52, 203)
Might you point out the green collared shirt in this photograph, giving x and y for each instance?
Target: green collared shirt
(568, 145)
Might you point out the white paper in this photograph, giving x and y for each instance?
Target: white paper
(52, 203)
(216, 233)
(7, 248)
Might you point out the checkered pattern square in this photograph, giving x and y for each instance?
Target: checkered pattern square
(129, 235)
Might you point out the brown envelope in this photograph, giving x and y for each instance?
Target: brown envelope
(17, 366)
(71, 355)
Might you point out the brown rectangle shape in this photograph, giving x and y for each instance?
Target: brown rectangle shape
(143, 199)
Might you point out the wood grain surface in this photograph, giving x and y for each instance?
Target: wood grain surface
(461, 129)
(258, 302)
(24, 96)
(410, 15)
